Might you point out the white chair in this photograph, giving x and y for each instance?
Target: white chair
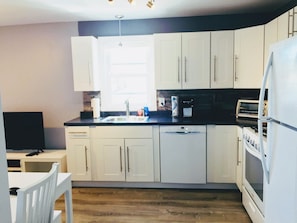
(35, 203)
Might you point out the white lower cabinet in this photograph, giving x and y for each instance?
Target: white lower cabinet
(131, 154)
(122, 153)
(108, 159)
(78, 153)
(221, 153)
(139, 160)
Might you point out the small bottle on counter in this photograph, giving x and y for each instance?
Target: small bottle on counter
(146, 111)
(140, 112)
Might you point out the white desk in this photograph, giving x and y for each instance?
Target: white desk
(41, 163)
(24, 179)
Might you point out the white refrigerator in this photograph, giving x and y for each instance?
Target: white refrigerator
(280, 167)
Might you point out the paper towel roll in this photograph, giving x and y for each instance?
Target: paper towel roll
(174, 106)
(95, 104)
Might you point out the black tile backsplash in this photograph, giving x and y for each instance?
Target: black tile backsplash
(217, 103)
(211, 104)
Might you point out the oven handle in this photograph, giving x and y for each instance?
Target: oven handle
(262, 118)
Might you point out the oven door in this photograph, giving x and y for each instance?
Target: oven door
(253, 175)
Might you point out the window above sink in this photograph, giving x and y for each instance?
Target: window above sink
(127, 72)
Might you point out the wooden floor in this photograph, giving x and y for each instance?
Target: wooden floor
(155, 205)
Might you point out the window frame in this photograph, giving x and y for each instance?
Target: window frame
(105, 44)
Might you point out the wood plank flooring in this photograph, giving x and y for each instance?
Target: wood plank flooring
(155, 205)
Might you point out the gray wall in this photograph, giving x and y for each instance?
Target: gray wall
(36, 75)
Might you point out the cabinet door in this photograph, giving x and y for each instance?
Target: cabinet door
(108, 159)
(292, 22)
(239, 159)
(85, 63)
(168, 61)
(283, 26)
(270, 37)
(221, 154)
(249, 54)
(78, 158)
(222, 54)
(139, 160)
(195, 61)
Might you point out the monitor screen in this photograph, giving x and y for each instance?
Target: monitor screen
(24, 130)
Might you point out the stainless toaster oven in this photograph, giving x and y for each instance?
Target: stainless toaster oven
(248, 109)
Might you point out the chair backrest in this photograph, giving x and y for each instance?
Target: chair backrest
(35, 203)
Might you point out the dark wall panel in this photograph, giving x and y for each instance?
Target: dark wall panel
(184, 24)
(168, 25)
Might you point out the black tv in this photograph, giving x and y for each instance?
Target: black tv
(24, 130)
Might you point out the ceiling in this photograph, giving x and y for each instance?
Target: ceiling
(16, 12)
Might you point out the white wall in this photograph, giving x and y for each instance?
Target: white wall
(36, 74)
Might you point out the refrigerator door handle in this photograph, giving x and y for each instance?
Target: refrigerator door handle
(262, 118)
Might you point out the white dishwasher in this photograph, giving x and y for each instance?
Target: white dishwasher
(183, 154)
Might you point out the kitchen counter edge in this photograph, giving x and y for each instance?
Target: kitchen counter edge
(152, 121)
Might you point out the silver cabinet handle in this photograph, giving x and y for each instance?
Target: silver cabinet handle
(185, 69)
(214, 68)
(121, 160)
(77, 135)
(86, 158)
(77, 132)
(235, 68)
(178, 69)
(128, 159)
(238, 142)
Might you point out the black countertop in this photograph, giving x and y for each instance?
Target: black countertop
(160, 119)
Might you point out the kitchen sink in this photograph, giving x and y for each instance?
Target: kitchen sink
(131, 118)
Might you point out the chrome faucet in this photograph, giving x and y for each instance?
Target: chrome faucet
(127, 108)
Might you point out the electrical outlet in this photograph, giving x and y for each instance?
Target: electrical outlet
(161, 102)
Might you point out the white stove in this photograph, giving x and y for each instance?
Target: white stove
(253, 175)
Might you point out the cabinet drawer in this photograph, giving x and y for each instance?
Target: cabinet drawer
(122, 132)
(79, 132)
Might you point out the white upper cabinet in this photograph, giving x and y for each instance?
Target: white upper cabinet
(222, 54)
(85, 63)
(276, 30)
(167, 61)
(283, 26)
(249, 54)
(270, 37)
(292, 21)
(195, 60)
(182, 60)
